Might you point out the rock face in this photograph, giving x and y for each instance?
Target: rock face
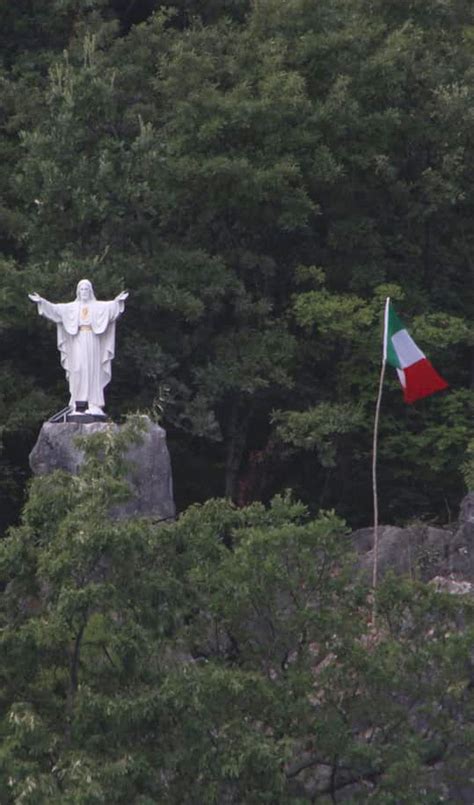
(149, 472)
(444, 557)
(424, 552)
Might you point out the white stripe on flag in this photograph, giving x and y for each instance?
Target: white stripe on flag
(406, 349)
(402, 378)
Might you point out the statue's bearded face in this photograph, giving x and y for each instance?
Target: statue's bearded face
(84, 292)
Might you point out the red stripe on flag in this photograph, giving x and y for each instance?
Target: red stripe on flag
(421, 381)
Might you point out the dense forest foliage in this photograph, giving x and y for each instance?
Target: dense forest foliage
(259, 175)
(226, 658)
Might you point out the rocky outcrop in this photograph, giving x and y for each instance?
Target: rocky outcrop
(149, 467)
(422, 551)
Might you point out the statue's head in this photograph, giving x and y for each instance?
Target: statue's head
(84, 291)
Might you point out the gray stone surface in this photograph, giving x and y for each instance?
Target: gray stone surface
(149, 472)
(466, 514)
(422, 551)
(445, 558)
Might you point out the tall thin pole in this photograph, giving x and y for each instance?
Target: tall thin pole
(374, 456)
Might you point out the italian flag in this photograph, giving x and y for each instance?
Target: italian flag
(415, 372)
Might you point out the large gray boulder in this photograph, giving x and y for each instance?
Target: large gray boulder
(422, 551)
(149, 473)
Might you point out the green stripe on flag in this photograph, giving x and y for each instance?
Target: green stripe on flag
(393, 326)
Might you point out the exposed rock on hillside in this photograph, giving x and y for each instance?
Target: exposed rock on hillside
(149, 472)
(422, 551)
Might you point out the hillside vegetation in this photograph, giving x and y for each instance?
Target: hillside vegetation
(230, 658)
(259, 176)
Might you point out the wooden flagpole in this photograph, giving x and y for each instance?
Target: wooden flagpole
(374, 458)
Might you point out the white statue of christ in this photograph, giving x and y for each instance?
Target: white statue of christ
(86, 341)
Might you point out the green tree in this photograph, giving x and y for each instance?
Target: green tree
(226, 657)
(257, 176)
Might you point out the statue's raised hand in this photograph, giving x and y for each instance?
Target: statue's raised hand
(122, 296)
(35, 297)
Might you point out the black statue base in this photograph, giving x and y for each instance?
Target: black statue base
(86, 419)
(68, 414)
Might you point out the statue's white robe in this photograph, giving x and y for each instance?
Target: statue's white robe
(86, 354)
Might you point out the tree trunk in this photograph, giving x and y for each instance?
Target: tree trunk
(75, 652)
(236, 442)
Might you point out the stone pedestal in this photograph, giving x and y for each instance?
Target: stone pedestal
(149, 473)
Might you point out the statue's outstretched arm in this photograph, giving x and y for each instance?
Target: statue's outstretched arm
(122, 296)
(118, 304)
(45, 308)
